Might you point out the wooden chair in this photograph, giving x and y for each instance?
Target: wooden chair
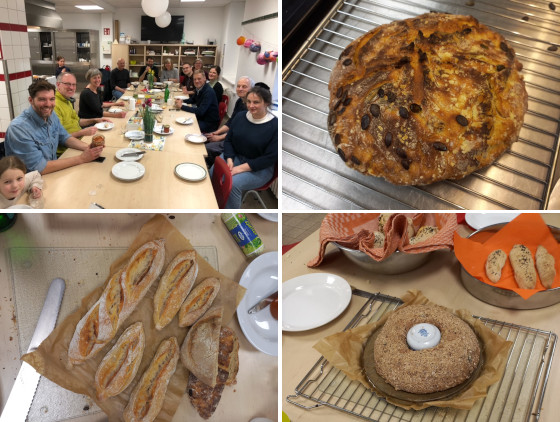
(264, 187)
(221, 181)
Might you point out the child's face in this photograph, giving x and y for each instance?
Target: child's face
(11, 183)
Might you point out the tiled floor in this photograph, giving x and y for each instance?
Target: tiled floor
(296, 227)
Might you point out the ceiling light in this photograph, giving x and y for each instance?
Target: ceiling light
(90, 7)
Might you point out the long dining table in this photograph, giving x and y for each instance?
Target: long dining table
(82, 186)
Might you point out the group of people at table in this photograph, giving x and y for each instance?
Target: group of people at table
(35, 139)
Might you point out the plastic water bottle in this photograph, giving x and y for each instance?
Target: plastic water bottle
(244, 234)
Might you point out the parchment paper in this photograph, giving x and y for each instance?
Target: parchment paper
(51, 358)
(344, 352)
(527, 229)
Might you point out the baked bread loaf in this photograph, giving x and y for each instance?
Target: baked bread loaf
(174, 286)
(523, 267)
(545, 266)
(147, 398)
(120, 365)
(199, 352)
(205, 399)
(494, 265)
(425, 371)
(379, 240)
(425, 99)
(121, 295)
(198, 301)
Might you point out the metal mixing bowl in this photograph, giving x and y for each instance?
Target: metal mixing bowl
(396, 263)
(507, 298)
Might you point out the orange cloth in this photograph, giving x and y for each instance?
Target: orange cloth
(527, 229)
(356, 231)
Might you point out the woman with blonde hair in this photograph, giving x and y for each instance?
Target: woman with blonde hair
(91, 106)
(168, 72)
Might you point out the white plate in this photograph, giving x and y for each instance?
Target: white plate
(260, 279)
(151, 91)
(181, 97)
(120, 152)
(478, 220)
(135, 134)
(105, 125)
(128, 171)
(312, 300)
(184, 121)
(195, 139)
(125, 98)
(269, 216)
(159, 130)
(115, 110)
(191, 172)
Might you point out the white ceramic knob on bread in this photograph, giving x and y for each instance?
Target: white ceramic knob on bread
(423, 336)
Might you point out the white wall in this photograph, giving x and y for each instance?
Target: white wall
(264, 31)
(230, 50)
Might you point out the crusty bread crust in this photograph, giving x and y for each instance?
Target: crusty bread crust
(523, 266)
(120, 365)
(147, 398)
(198, 301)
(174, 286)
(121, 295)
(494, 265)
(545, 266)
(199, 352)
(425, 99)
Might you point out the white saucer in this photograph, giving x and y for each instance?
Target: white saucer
(120, 152)
(135, 135)
(184, 120)
(105, 125)
(128, 171)
(190, 172)
(195, 139)
(159, 130)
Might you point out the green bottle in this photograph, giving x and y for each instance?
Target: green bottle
(151, 80)
(166, 95)
(244, 234)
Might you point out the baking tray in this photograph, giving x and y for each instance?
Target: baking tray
(314, 176)
(32, 270)
(518, 396)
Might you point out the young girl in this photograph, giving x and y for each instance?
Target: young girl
(14, 182)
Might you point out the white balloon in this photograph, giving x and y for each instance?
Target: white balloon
(163, 20)
(154, 8)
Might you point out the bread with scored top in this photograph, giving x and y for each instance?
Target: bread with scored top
(198, 301)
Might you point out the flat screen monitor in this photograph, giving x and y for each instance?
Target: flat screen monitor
(171, 34)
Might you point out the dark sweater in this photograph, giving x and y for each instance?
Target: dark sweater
(206, 109)
(258, 143)
(120, 78)
(90, 104)
(219, 90)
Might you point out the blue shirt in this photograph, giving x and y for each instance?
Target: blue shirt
(206, 110)
(33, 140)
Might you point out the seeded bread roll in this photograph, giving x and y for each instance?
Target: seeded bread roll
(198, 301)
(382, 219)
(199, 352)
(494, 265)
(523, 267)
(423, 234)
(121, 295)
(379, 241)
(545, 266)
(120, 365)
(174, 286)
(433, 97)
(147, 398)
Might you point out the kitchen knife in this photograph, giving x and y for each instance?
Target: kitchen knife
(132, 154)
(263, 303)
(23, 391)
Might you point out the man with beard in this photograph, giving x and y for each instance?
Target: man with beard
(204, 104)
(35, 134)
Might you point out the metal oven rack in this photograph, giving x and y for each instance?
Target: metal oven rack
(314, 177)
(516, 397)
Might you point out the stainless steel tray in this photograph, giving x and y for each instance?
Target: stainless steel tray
(314, 177)
(518, 396)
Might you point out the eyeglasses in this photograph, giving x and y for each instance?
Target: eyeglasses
(68, 84)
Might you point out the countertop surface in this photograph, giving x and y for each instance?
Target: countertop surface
(258, 373)
(439, 280)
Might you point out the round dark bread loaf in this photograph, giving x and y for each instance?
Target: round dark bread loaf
(425, 99)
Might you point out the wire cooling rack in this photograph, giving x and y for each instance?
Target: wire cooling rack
(517, 397)
(313, 175)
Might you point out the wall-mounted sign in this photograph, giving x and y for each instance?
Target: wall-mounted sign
(106, 31)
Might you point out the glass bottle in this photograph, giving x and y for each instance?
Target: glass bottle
(151, 80)
(166, 94)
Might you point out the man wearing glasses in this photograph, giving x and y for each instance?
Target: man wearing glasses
(187, 84)
(35, 134)
(64, 108)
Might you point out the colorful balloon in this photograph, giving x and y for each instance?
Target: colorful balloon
(247, 43)
(241, 40)
(255, 47)
(261, 59)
